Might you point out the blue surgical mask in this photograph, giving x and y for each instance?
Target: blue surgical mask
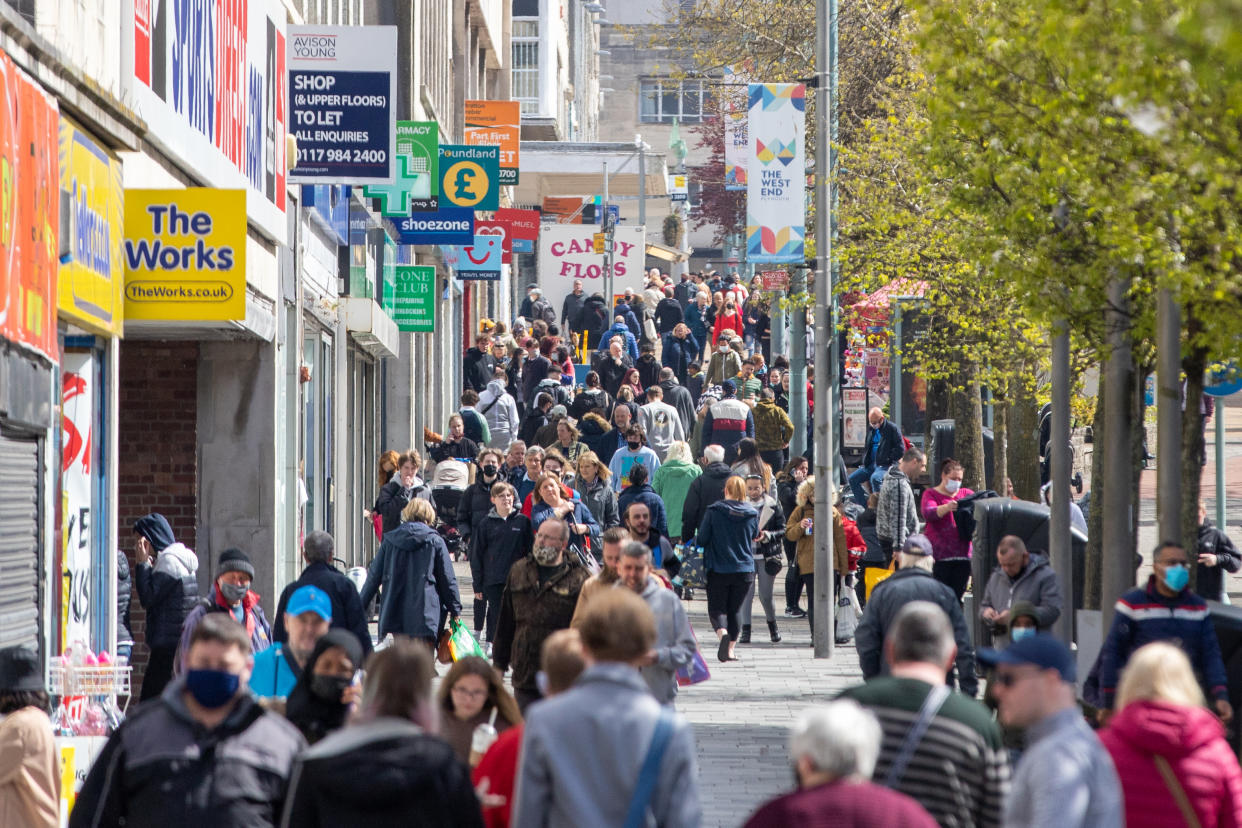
(212, 688)
(1019, 633)
(1176, 577)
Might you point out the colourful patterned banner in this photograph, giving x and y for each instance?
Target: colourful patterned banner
(736, 150)
(776, 180)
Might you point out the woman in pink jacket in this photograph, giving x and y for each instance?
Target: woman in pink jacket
(1170, 750)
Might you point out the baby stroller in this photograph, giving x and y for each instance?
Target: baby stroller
(448, 486)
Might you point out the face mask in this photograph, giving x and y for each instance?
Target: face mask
(952, 486)
(1019, 633)
(328, 688)
(212, 688)
(634, 446)
(489, 471)
(546, 555)
(233, 592)
(1176, 577)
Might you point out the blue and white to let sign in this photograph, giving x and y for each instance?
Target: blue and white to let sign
(342, 103)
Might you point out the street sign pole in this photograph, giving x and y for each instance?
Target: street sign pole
(604, 226)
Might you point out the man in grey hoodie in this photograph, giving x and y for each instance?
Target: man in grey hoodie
(1020, 576)
(675, 645)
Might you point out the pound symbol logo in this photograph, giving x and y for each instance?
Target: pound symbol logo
(467, 184)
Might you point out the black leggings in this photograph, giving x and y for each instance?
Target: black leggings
(726, 591)
(956, 574)
(490, 605)
(159, 671)
(793, 582)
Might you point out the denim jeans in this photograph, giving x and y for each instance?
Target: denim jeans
(873, 473)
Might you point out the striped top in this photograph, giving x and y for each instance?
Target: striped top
(960, 770)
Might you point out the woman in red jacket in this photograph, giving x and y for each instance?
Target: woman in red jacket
(1169, 748)
(727, 320)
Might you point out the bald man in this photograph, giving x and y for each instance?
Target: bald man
(884, 447)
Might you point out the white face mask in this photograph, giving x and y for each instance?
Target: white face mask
(951, 486)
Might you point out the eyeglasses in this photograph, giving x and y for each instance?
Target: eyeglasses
(469, 694)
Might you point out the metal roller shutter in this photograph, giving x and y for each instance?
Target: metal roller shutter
(19, 541)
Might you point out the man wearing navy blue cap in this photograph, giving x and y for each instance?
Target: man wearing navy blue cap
(308, 616)
(1065, 777)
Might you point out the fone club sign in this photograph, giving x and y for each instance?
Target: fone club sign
(342, 93)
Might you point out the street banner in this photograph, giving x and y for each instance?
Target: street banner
(567, 252)
(90, 279)
(523, 228)
(418, 163)
(469, 177)
(185, 254)
(854, 413)
(342, 95)
(211, 88)
(416, 299)
(497, 124)
(501, 229)
(451, 225)
(736, 148)
(775, 279)
(480, 260)
(79, 443)
(776, 175)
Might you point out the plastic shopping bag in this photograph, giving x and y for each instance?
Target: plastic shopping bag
(873, 575)
(696, 671)
(462, 643)
(847, 616)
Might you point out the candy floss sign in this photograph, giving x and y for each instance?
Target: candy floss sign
(209, 80)
(567, 252)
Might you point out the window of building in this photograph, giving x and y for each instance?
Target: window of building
(525, 39)
(663, 99)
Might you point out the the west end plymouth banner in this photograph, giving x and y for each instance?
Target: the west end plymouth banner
(776, 178)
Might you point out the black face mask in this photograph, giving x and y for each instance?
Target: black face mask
(329, 688)
(489, 471)
(634, 446)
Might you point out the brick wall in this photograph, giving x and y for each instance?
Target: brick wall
(157, 434)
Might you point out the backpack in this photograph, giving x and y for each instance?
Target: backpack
(542, 310)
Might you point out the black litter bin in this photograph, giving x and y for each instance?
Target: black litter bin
(994, 519)
(1228, 622)
(942, 447)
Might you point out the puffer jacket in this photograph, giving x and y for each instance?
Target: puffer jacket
(475, 504)
(124, 594)
(597, 435)
(727, 536)
(887, 599)
(414, 566)
(1036, 583)
(168, 592)
(600, 499)
(773, 428)
(672, 483)
(771, 527)
(393, 498)
(531, 611)
(589, 400)
(1192, 741)
(498, 408)
(805, 554)
(234, 776)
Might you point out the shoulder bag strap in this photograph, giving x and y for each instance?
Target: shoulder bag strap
(931, 705)
(1179, 793)
(636, 816)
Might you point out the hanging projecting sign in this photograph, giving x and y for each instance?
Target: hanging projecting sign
(415, 311)
(480, 260)
(469, 177)
(185, 254)
(736, 144)
(342, 95)
(418, 163)
(210, 86)
(499, 229)
(496, 124)
(776, 175)
(523, 228)
(448, 226)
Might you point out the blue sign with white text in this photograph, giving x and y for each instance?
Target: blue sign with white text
(450, 225)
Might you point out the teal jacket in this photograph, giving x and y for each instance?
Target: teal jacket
(671, 482)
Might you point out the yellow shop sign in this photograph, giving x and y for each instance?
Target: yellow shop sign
(185, 254)
(90, 281)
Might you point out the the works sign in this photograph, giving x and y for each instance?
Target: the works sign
(209, 80)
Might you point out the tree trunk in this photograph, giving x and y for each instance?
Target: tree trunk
(1000, 441)
(1193, 443)
(1093, 565)
(1023, 449)
(937, 409)
(968, 431)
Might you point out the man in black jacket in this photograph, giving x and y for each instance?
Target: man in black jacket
(678, 397)
(347, 610)
(594, 320)
(168, 591)
(233, 758)
(884, 447)
(912, 582)
(680, 349)
(705, 490)
(668, 313)
(478, 364)
(571, 308)
(1215, 555)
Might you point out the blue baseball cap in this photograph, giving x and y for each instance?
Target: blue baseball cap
(310, 599)
(1042, 650)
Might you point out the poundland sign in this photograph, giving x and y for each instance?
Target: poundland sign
(185, 254)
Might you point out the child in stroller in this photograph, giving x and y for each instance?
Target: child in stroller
(448, 485)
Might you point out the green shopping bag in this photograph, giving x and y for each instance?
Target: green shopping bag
(462, 643)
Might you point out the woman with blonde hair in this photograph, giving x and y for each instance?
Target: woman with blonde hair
(800, 528)
(672, 483)
(416, 570)
(471, 694)
(591, 484)
(727, 535)
(1175, 766)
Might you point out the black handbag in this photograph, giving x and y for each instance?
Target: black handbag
(772, 565)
